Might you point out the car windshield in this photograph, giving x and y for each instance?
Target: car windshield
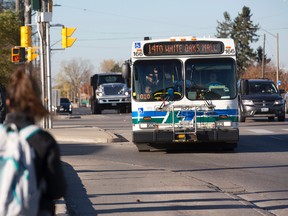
(262, 88)
(64, 100)
(111, 79)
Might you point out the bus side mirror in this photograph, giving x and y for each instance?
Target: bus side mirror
(126, 70)
(244, 87)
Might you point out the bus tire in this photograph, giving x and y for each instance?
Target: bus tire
(96, 109)
(230, 147)
(281, 118)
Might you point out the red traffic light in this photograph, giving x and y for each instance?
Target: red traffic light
(18, 55)
(15, 58)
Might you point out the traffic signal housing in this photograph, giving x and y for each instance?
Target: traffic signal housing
(26, 35)
(18, 55)
(66, 40)
(31, 55)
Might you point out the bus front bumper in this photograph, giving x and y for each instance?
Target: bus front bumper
(212, 135)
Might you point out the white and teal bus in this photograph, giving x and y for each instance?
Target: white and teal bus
(184, 91)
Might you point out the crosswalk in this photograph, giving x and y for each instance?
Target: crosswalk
(264, 131)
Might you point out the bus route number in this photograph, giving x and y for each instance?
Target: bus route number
(137, 54)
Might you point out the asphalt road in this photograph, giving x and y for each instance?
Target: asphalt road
(113, 174)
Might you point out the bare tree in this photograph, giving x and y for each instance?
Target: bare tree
(74, 73)
(109, 65)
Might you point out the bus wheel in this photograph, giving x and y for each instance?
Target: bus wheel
(143, 147)
(281, 118)
(229, 147)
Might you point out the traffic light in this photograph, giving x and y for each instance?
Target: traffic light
(18, 55)
(66, 40)
(25, 32)
(31, 55)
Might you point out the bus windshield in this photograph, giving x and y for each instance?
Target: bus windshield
(157, 80)
(210, 79)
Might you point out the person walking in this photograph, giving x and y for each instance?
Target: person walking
(25, 108)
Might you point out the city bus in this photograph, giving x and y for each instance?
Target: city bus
(183, 92)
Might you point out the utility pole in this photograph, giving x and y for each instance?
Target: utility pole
(277, 54)
(277, 59)
(43, 18)
(263, 57)
(17, 5)
(27, 22)
(27, 12)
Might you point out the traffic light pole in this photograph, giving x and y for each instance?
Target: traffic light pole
(49, 82)
(43, 28)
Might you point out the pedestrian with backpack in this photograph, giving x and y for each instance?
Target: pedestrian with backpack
(25, 109)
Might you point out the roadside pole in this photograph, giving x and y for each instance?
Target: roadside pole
(49, 82)
(43, 19)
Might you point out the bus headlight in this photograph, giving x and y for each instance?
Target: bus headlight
(147, 125)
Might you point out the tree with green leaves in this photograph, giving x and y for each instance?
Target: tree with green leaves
(259, 56)
(243, 32)
(9, 37)
(224, 28)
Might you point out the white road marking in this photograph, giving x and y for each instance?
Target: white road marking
(260, 131)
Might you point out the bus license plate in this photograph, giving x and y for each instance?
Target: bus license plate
(114, 104)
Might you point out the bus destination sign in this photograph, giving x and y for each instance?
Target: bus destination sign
(183, 48)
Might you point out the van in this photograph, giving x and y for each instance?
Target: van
(260, 98)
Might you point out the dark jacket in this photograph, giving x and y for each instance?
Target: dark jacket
(47, 161)
(2, 104)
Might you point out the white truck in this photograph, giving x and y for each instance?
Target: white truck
(110, 91)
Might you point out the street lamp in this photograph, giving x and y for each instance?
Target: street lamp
(277, 54)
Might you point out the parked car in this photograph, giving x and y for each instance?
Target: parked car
(2, 104)
(260, 98)
(65, 106)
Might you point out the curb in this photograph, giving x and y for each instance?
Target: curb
(83, 135)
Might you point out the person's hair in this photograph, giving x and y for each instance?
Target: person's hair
(24, 95)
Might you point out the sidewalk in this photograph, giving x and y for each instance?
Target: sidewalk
(154, 190)
(81, 135)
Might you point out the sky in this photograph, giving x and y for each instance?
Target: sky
(106, 29)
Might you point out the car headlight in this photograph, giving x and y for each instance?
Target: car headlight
(247, 102)
(100, 94)
(279, 102)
